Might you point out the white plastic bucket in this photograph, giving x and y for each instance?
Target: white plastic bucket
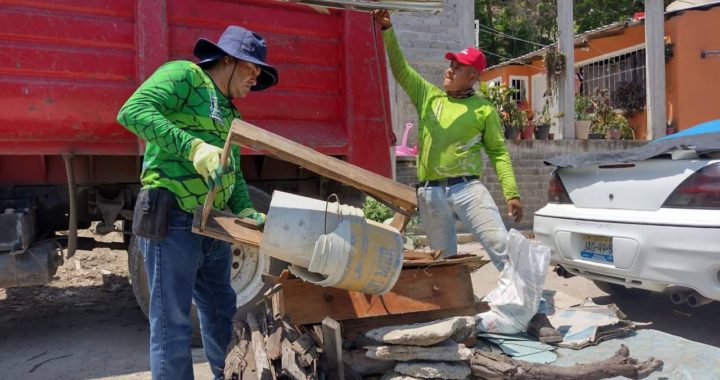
(355, 253)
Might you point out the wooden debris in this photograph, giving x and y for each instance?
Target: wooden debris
(236, 358)
(435, 288)
(332, 347)
(493, 366)
(262, 364)
(289, 363)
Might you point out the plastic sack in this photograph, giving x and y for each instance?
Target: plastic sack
(516, 298)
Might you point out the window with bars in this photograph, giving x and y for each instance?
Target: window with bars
(520, 84)
(609, 73)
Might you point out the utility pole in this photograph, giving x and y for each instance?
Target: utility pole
(655, 67)
(566, 87)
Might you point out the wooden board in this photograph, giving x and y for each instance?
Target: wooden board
(380, 187)
(417, 289)
(225, 226)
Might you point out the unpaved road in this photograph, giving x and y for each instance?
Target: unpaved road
(86, 325)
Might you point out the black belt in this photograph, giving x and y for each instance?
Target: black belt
(451, 181)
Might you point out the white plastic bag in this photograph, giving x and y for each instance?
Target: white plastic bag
(515, 300)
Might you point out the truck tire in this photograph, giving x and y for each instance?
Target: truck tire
(246, 275)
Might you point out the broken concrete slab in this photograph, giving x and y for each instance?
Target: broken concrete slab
(452, 352)
(397, 376)
(434, 370)
(425, 334)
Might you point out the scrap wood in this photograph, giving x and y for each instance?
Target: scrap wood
(493, 366)
(443, 287)
(262, 363)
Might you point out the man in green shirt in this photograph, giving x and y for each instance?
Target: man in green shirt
(455, 126)
(184, 112)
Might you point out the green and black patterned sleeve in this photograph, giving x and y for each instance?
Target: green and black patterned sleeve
(144, 112)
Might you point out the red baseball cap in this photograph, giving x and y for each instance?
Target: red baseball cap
(469, 56)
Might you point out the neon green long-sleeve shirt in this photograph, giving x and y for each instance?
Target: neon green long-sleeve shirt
(176, 105)
(452, 132)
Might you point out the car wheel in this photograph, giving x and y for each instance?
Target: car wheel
(618, 290)
(248, 266)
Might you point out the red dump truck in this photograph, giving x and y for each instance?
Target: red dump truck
(68, 66)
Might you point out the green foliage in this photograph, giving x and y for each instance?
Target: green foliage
(602, 111)
(376, 211)
(501, 96)
(629, 96)
(583, 107)
(536, 21)
(620, 123)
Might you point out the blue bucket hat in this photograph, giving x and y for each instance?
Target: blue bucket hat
(242, 44)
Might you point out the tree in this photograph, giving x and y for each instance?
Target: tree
(511, 28)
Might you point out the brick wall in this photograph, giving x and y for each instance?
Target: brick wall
(531, 173)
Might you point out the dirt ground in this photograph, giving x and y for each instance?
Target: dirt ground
(86, 324)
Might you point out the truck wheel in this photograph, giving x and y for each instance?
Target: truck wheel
(248, 266)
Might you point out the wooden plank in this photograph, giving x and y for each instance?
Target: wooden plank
(208, 205)
(223, 226)
(262, 364)
(433, 288)
(332, 340)
(400, 221)
(380, 187)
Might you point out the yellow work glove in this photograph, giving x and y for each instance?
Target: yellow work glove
(251, 213)
(205, 158)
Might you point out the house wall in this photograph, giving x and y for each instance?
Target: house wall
(690, 91)
(694, 91)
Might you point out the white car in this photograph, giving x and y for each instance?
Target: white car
(646, 218)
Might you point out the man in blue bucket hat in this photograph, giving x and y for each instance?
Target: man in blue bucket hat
(184, 112)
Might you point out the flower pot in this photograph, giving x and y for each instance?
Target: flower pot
(512, 133)
(582, 129)
(614, 134)
(527, 132)
(596, 136)
(669, 131)
(541, 131)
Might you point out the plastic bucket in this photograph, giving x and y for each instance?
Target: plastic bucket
(355, 254)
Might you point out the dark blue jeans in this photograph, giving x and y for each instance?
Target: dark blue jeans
(182, 268)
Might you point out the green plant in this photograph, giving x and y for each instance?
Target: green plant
(583, 107)
(602, 111)
(376, 211)
(501, 96)
(629, 96)
(554, 64)
(620, 123)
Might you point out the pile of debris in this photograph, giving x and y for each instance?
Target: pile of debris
(442, 349)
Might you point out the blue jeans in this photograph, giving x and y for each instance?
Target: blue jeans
(476, 209)
(181, 268)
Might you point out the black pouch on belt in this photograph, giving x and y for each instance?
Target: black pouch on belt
(150, 219)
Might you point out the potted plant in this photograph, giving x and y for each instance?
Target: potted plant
(602, 115)
(629, 96)
(619, 128)
(543, 122)
(512, 117)
(583, 116)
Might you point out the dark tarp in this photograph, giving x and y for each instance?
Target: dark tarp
(704, 142)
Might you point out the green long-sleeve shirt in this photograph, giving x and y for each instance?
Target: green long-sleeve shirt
(452, 132)
(176, 105)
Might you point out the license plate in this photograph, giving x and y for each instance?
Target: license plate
(597, 248)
